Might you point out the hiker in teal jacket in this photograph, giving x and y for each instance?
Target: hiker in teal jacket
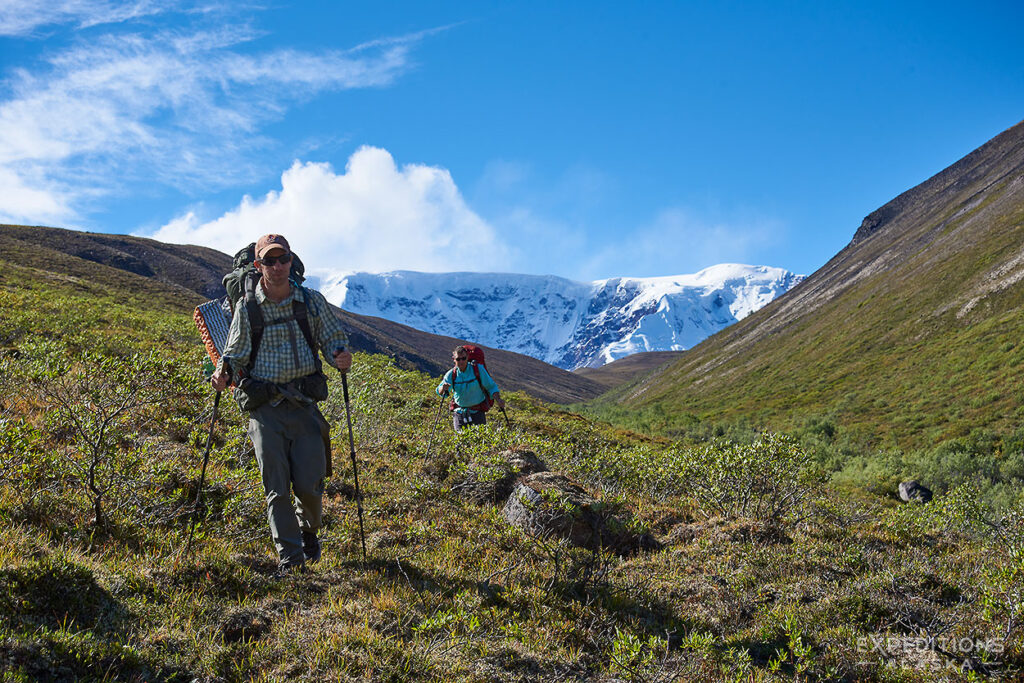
(468, 393)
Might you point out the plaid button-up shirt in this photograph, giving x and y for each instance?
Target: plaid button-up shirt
(284, 354)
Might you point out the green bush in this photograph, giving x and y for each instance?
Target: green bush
(765, 480)
(993, 465)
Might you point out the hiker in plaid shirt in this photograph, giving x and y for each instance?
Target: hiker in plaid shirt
(280, 388)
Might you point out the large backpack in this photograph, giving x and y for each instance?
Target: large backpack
(476, 359)
(244, 275)
(240, 285)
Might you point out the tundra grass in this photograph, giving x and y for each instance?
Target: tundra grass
(821, 582)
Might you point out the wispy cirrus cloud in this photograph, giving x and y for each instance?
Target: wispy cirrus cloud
(24, 17)
(179, 108)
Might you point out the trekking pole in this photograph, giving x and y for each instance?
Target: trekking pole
(202, 476)
(433, 429)
(507, 423)
(355, 467)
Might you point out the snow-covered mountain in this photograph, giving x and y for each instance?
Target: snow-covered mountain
(566, 323)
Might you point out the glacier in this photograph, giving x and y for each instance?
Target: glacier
(564, 322)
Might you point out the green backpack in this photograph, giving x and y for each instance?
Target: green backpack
(244, 274)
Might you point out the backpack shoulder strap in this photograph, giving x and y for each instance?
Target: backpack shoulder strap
(257, 324)
(476, 371)
(301, 313)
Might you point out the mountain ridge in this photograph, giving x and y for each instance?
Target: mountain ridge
(567, 323)
(179, 277)
(886, 335)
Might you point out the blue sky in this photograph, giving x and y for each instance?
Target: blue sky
(586, 140)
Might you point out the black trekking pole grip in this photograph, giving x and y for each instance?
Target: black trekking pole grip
(202, 476)
(355, 467)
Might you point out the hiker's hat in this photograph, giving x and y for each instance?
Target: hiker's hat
(269, 242)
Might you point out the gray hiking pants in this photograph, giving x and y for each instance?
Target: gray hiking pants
(473, 417)
(290, 451)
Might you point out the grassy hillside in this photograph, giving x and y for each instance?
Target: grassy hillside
(177, 277)
(764, 571)
(908, 338)
(624, 370)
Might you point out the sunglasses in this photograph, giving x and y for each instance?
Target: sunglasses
(461, 357)
(273, 260)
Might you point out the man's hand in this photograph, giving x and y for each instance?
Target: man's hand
(499, 401)
(219, 379)
(343, 360)
(444, 389)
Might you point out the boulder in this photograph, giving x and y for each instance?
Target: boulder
(548, 504)
(492, 481)
(911, 491)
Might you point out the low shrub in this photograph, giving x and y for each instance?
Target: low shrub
(768, 479)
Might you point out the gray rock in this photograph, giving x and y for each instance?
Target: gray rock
(492, 482)
(548, 504)
(912, 491)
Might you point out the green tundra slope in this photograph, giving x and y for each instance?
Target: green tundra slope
(762, 570)
(911, 335)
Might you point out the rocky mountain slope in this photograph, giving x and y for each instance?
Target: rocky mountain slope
(913, 331)
(566, 323)
(178, 277)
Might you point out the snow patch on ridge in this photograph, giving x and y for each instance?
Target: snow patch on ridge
(564, 322)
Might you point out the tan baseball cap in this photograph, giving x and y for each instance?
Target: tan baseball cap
(268, 243)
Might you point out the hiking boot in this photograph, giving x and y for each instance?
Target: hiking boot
(310, 546)
(287, 570)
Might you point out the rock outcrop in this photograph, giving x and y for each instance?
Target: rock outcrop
(912, 491)
(492, 482)
(550, 505)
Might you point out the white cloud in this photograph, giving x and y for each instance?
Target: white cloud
(49, 206)
(180, 109)
(373, 217)
(23, 17)
(678, 241)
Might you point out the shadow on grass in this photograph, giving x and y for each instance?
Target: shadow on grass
(59, 624)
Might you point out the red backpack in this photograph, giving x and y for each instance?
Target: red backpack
(476, 359)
